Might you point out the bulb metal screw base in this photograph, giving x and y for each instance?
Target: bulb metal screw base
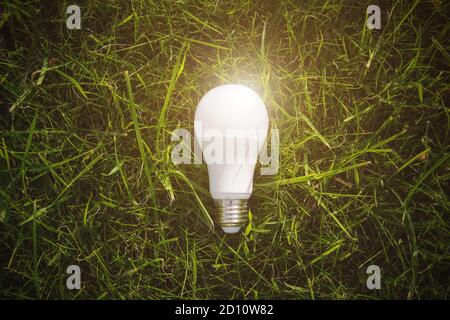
(231, 214)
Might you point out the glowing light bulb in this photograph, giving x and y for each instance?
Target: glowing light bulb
(231, 125)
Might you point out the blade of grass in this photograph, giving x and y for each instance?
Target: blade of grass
(137, 132)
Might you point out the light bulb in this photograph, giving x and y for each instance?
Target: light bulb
(231, 125)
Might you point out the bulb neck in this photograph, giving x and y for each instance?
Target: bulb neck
(232, 214)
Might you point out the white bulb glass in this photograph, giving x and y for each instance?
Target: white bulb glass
(231, 125)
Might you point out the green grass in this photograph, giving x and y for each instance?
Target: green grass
(85, 170)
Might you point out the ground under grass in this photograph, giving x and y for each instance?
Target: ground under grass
(86, 176)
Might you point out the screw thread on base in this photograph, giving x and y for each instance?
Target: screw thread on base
(232, 213)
